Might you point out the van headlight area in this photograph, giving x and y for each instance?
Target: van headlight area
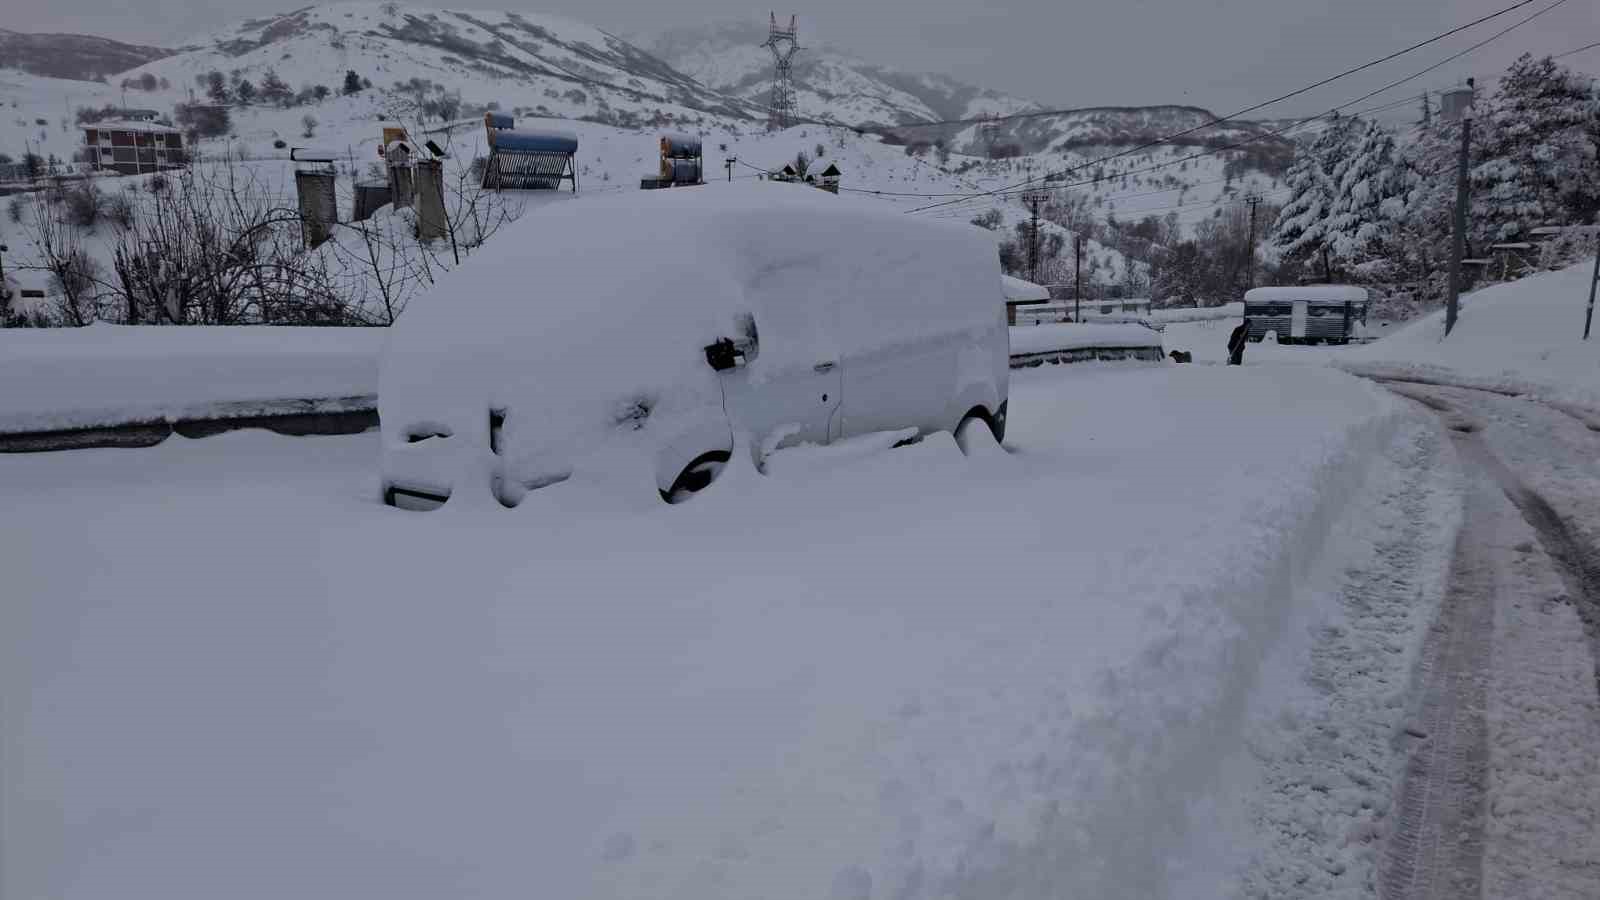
(631, 336)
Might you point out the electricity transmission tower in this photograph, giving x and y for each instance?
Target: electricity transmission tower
(1033, 199)
(784, 44)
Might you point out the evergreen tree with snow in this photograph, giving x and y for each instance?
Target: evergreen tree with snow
(1301, 228)
(1535, 153)
(1372, 187)
(1421, 242)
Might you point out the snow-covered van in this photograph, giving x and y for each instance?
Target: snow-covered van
(632, 336)
(1307, 314)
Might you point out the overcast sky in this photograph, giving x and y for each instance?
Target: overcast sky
(1221, 54)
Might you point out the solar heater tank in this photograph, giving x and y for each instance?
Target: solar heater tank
(679, 146)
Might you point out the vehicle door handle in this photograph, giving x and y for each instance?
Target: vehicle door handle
(823, 367)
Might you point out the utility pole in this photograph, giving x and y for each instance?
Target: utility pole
(1458, 104)
(1250, 272)
(1077, 277)
(1588, 315)
(729, 163)
(1427, 112)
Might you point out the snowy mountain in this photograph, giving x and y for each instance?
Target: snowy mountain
(830, 84)
(78, 56)
(542, 63)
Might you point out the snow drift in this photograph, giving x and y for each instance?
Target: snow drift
(1523, 336)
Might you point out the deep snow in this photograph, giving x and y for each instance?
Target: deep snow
(110, 374)
(227, 669)
(1161, 648)
(1523, 336)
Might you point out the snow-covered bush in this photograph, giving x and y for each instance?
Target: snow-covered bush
(118, 209)
(82, 205)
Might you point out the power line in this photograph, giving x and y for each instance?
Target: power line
(1292, 126)
(1360, 112)
(1276, 132)
(1481, 74)
(1579, 50)
(1289, 96)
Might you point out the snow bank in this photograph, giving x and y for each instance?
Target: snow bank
(1027, 339)
(1326, 293)
(112, 374)
(875, 673)
(1523, 336)
(1198, 313)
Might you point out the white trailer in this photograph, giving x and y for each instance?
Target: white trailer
(1307, 314)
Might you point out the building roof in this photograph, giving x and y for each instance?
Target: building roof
(1328, 293)
(1018, 291)
(132, 125)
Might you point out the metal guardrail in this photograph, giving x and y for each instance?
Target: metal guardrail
(339, 415)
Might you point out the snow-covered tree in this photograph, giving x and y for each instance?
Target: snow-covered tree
(1301, 228)
(1535, 151)
(1372, 186)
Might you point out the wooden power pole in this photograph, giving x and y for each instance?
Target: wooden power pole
(1077, 277)
(1588, 315)
(1459, 105)
(1250, 270)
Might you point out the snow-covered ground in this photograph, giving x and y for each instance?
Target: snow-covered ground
(1203, 631)
(871, 672)
(1524, 336)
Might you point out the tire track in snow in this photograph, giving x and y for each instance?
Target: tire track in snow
(1528, 760)
(1435, 846)
(1577, 561)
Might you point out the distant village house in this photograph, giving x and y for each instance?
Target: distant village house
(134, 144)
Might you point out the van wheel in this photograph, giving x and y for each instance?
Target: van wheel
(696, 476)
(975, 433)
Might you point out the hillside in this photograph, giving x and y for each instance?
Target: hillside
(541, 63)
(830, 84)
(78, 56)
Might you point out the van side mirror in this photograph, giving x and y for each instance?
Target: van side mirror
(723, 354)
